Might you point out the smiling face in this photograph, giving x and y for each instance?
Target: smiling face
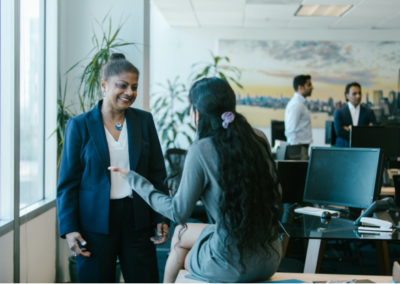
(120, 90)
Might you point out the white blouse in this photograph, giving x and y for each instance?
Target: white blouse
(119, 157)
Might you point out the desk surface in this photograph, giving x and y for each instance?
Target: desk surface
(307, 277)
(312, 227)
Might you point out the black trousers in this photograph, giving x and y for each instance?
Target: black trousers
(135, 250)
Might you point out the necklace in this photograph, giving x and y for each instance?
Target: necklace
(118, 125)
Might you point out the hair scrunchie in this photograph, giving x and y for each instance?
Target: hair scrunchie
(227, 118)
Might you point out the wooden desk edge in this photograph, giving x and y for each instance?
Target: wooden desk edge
(307, 277)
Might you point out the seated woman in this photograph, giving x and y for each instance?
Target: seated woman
(231, 169)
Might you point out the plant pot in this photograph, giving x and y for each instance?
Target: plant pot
(73, 272)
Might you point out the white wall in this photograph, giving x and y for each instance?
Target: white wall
(6, 259)
(37, 251)
(77, 17)
(174, 50)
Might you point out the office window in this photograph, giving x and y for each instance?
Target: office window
(6, 110)
(31, 101)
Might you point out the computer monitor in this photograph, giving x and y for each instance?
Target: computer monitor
(386, 138)
(344, 176)
(292, 177)
(277, 131)
(330, 134)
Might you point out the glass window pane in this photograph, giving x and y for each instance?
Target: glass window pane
(6, 110)
(31, 101)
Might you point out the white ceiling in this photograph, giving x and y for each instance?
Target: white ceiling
(365, 14)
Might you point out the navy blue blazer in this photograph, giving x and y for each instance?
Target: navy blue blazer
(83, 193)
(342, 117)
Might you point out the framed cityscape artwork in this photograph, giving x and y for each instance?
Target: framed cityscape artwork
(268, 69)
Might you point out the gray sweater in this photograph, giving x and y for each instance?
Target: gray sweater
(209, 259)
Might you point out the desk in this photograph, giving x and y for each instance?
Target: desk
(318, 232)
(300, 276)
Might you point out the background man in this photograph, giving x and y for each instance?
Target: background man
(297, 115)
(352, 113)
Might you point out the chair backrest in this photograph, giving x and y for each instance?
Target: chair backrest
(176, 160)
(330, 134)
(281, 149)
(292, 177)
(295, 152)
(277, 131)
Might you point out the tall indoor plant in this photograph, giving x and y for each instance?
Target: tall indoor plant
(170, 118)
(219, 67)
(89, 81)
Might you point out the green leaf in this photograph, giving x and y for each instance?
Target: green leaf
(222, 76)
(190, 140)
(216, 60)
(236, 82)
(192, 127)
(181, 116)
(105, 17)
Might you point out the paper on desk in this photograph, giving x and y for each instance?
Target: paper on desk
(285, 281)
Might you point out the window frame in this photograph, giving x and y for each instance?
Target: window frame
(11, 217)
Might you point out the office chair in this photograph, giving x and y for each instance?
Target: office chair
(296, 152)
(280, 149)
(176, 160)
(330, 134)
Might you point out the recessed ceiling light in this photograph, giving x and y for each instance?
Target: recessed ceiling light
(322, 10)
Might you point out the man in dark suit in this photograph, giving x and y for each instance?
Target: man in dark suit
(352, 113)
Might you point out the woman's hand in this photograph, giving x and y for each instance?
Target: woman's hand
(122, 172)
(73, 239)
(162, 232)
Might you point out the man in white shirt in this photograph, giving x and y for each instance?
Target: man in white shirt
(297, 115)
(352, 113)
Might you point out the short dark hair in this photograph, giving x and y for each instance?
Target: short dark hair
(116, 65)
(348, 86)
(300, 80)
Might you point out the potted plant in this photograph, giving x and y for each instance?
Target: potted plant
(217, 68)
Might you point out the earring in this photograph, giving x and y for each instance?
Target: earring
(104, 94)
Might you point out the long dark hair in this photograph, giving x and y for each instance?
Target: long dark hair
(247, 175)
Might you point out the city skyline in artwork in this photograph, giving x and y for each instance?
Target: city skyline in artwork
(268, 69)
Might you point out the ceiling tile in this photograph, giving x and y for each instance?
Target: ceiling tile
(271, 11)
(391, 23)
(372, 11)
(219, 23)
(358, 23)
(251, 2)
(165, 4)
(380, 3)
(265, 22)
(313, 20)
(365, 14)
(211, 5)
(307, 25)
(331, 2)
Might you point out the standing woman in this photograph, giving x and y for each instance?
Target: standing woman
(231, 169)
(99, 214)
